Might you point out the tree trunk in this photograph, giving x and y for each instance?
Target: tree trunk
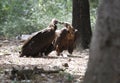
(104, 60)
(81, 21)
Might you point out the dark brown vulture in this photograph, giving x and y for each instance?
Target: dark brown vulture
(65, 39)
(40, 42)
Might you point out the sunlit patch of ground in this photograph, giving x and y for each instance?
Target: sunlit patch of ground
(74, 66)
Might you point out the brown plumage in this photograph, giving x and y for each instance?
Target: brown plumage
(40, 42)
(65, 39)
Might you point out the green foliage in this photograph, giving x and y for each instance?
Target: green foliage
(93, 17)
(27, 16)
(93, 8)
(94, 3)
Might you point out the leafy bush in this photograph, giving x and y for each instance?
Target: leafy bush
(26, 16)
(93, 8)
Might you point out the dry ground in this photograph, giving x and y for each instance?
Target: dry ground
(73, 66)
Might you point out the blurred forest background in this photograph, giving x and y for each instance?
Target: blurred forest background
(26, 16)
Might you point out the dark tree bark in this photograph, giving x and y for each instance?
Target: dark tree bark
(81, 21)
(104, 60)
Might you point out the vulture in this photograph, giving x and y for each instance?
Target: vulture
(41, 42)
(65, 39)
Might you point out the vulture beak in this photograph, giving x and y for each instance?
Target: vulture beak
(64, 23)
(61, 22)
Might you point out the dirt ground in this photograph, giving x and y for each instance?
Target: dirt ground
(51, 69)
